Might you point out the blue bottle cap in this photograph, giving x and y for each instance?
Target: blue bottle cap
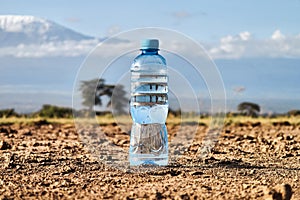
(149, 44)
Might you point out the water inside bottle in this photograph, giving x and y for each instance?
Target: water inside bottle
(148, 144)
(149, 114)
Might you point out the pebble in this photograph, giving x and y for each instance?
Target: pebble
(4, 145)
(5, 160)
(279, 192)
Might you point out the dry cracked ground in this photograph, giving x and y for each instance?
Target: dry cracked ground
(250, 161)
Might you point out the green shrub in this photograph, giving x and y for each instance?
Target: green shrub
(50, 111)
(293, 113)
(8, 113)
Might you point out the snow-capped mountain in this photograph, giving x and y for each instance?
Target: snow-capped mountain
(28, 36)
(22, 29)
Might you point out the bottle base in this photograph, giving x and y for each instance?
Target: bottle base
(148, 159)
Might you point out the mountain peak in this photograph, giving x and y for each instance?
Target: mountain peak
(26, 29)
(23, 23)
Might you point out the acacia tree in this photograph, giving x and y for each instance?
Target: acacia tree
(93, 90)
(88, 90)
(118, 101)
(249, 109)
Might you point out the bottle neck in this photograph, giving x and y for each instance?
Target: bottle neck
(149, 51)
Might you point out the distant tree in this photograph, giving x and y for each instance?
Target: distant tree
(93, 90)
(249, 109)
(118, 101)
(8, 113)
(293, 113)
(174, 112)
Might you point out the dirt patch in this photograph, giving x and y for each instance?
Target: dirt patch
(49, 161)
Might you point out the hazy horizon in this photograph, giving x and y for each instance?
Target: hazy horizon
(42, 47)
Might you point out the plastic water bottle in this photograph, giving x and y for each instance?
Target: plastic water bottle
(149, 107)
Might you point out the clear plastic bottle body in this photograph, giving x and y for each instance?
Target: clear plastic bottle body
(149, 109)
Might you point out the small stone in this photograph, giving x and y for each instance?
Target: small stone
(272, 195)
(4, 130)
(246, 186)
(249, 137)
(4, 145)
(197, 173)
(289, 137)
(5, 160)
(227, 131)
(279, 192)
(285, 190)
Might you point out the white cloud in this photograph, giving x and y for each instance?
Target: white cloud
(241, 45)
(245, 35)
(244, 45)
(277, 35)
(49, 49)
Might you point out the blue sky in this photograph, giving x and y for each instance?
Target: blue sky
(202, 20)
(255, 36)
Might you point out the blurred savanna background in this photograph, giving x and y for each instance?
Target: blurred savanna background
(254, 45)
(256, 49)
